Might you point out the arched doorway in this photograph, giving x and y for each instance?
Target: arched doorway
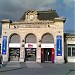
(47, 48)
(14, 47)
(30, 47)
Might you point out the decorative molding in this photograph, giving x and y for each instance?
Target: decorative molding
(39, 45)
(22, 40)
(22, 45)
(40, 41)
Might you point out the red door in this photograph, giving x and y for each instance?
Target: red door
(52, 55)
(42, 55)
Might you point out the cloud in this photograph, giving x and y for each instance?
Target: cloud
(32, 4)
(16, 8)
(69, 3)
(9, 6)
(13, 7)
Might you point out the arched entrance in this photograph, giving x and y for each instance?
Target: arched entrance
(47, 48)
(14, 47)
(30, 47)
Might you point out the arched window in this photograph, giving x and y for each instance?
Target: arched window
(15, 38)
(30, 38)
(47, 38)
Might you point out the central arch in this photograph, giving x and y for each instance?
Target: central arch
(47, 47)
(30, 38)
(30, 47)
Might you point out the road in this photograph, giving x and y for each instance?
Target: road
(33, 68)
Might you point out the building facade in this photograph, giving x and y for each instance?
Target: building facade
(38, 36)
(69, 50)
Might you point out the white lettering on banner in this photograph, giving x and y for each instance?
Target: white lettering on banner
(14, 45)
(59, 46)
(59, 54)
(47, 45)
(4, 44)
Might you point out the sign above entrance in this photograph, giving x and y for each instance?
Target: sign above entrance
(14, 45)
(59, 45)
(30, 45)
(4, 44)
(47, 45)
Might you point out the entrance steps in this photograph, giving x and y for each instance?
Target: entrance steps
(14, 61)
(48, 61)
(13, 64)
(27, 64)
(32, 64)
(30, 61)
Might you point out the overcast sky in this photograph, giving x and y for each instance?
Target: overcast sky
(14, 9)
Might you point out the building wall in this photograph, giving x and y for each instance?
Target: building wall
(38, 28)
(70, 43)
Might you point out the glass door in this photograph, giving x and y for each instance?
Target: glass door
(47, 54)
(14, 54)
(30, 54)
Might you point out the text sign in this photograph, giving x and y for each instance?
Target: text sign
(4, 44)
(59, 45)
(30, 46)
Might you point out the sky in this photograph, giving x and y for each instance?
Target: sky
(14, 9)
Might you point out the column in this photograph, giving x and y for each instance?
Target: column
(38, 55)
(38, 52)
(22, 51)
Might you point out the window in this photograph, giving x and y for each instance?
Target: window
(69, 51)
(73, 51)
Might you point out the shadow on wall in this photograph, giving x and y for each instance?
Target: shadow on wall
(0, 48)
(65, 50)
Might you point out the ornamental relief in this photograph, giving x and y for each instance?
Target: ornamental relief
(34, 25)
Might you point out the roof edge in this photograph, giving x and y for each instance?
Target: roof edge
(6, 21)
(60, 19)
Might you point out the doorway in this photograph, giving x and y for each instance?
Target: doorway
(47, 54)
(14, 54)
(30, 54)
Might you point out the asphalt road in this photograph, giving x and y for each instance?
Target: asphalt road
(33, 68)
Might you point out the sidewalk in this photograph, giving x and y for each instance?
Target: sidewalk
(38, 68)
(9, 66)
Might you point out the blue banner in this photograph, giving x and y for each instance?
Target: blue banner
(4, 44)
(59, 45)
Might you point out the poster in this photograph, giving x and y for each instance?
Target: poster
(4, 44)
(59, 45)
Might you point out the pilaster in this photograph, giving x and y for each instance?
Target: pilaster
(22, 51)
(38, 52)
(59, 59)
